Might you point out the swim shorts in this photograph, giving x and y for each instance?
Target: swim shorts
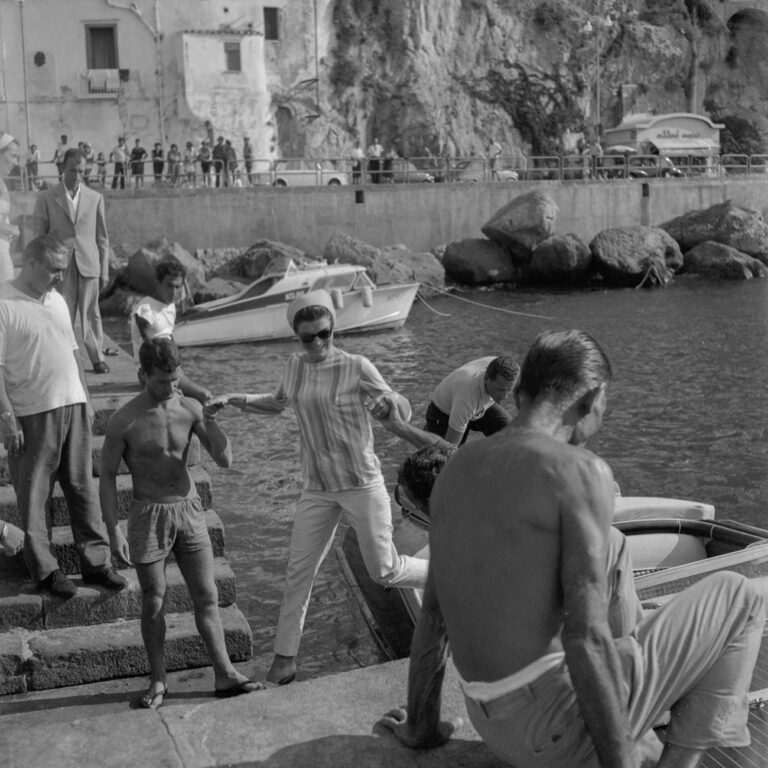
(154, 530)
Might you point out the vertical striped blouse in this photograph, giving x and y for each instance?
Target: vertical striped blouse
(336, 436)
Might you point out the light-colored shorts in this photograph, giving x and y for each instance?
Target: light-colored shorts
(154, 530)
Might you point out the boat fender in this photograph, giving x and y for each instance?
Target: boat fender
(367, 293)
(337, 297)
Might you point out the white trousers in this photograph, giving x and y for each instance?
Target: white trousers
(318, 514)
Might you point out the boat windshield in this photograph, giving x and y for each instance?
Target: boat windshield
(342, 280)
(260, 287)
(362, 281)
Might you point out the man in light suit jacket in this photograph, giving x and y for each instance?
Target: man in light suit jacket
(74, 213)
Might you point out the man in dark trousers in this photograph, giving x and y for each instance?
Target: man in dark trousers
(46, 420)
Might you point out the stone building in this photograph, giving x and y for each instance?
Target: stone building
(158, 70)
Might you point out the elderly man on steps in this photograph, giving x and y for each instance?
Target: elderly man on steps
(46, 420)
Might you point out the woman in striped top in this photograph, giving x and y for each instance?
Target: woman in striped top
(332, 393)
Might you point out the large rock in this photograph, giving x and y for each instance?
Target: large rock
(398, 264)
(219, 261)
(628, 256)
(478, 262)
(265, 252)
(560, 259)
(522, 224)
(741, 228)
(348, 250)
(712, 259)
(139, 274)
(119, 303)
(217, 288)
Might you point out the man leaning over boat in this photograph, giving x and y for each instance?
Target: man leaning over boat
(551, 675)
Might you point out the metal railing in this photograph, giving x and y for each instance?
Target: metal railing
(429, 169)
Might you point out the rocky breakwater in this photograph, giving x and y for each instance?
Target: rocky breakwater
(521, 247)
(217, 273)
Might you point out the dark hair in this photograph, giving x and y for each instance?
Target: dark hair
(565, 364)
(310, 314)
(505, 367)
(70, 153)
(420, 470)
(40, 247)
(169, 267)
(159, 354)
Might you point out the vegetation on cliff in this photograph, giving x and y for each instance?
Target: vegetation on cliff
(449, 76)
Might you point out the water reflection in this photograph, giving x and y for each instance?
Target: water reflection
(685, 419)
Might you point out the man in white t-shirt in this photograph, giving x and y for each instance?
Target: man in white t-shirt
(469, 398)
(154, 317)
(46, 420)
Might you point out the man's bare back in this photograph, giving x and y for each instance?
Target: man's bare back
(156, 438)
(496, 546)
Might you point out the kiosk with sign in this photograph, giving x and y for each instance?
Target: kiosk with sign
(682, 139)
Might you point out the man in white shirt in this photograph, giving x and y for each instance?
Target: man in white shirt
(154, 317)
(46, 420)
(469, 397)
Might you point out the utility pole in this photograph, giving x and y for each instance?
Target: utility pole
(24, 71)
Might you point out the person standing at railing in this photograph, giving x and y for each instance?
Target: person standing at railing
(375, 156)
(189, 159)
(58, 155)
(33, 165)
(158, 163)
(206, 160)
(174, 165)
(494, 150)
(358, 161)
(230, 164)
(9, 159)
(596, 154)
(248, 159)
(138, 155)
(90, 158)
(219, 161)
(101, 170)
(120, 156)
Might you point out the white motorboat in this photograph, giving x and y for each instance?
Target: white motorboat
(258, 312)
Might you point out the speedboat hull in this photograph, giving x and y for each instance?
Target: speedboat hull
(379, 308)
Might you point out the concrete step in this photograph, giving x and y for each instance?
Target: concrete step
(21, 606)
(193, 458)
(52, 658)
(9, 510)
(69, 562)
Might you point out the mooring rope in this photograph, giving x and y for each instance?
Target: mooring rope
(430, 308)
(488, 306)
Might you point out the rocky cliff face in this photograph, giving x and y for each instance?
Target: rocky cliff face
(429, 76)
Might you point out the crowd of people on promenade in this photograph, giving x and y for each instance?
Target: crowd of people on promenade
(527, 584)
(208, 162)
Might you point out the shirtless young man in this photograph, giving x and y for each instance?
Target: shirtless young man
(152, 434)
(520, 534)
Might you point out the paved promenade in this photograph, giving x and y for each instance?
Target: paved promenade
(324, 722)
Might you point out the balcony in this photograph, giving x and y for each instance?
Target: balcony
(101, 83)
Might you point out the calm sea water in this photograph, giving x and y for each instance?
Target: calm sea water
(686, 419)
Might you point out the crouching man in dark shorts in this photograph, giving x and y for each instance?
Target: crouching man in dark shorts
(152, 434)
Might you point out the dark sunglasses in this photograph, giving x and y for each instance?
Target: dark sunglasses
(308, 338)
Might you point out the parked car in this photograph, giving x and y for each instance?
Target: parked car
(405, 172)
(477, 169)
(655, 166)
(306, 173)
